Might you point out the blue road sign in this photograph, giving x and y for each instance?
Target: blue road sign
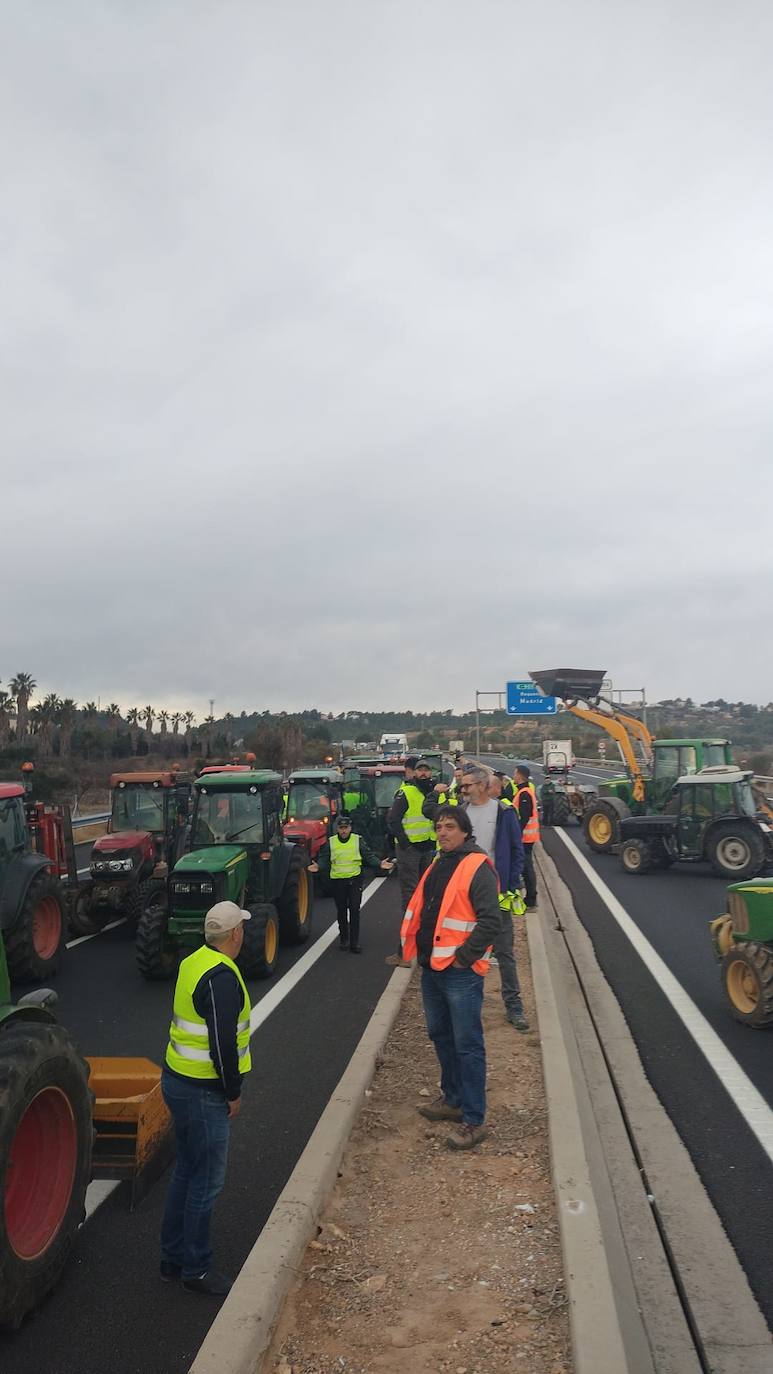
(526, 699)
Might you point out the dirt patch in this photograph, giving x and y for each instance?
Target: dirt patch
(430, 1262)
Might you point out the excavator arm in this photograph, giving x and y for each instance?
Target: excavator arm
(618, 726)
(572, 686)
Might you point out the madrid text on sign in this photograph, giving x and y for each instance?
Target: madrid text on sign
(524, 699)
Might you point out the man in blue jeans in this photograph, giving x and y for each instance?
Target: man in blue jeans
(206, 1058)
(450, 925)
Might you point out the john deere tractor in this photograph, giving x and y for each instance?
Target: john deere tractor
(743, 943)
(238, 852)
(652, 765)
(45, 1147)
(145, 837)
(710, 817)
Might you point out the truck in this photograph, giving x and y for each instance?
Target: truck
(393, 746)
(557, 755)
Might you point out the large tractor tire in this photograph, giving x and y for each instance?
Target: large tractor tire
(296, 901)
(34, 944)
(636, 856)
(158, 957)
(85, 917)
(747, 974)
(601, 824)
(736, 851)
(141, 895)
(45, 1159)
(562, 809)
(259, 952)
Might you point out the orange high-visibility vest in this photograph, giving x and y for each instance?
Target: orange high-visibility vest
(456, 918)
(530, 831)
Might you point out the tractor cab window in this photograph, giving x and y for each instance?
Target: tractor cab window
(386, 788)
(714, 755)
(228, 817)
(11, 828)
(138, 808)
(308, 801)
(688, 760)
(703, 801)
(744, 798)
(667, 763)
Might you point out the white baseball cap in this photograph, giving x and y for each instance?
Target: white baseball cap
(224, 916)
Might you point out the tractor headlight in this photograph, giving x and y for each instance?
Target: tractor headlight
(206, 887)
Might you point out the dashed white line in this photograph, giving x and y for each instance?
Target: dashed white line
(81, 940)
(739, 1087)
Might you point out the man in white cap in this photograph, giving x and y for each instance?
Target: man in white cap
(206, 1058)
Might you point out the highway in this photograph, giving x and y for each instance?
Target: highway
(710, 1103)
(110, 1310)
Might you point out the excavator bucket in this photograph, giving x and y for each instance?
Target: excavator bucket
(570, 684)
(133, 1139)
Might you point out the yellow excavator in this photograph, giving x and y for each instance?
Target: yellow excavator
(652, 766)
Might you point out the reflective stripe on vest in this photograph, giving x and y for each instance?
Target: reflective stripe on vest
(345, 859)
(456, 916)
(188, 1049)
(530, 831)
(415, 824)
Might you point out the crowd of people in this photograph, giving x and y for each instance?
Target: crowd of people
(464, 854)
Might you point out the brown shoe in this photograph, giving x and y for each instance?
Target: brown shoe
(464, 1137)
(397, 961)
(440, 1110)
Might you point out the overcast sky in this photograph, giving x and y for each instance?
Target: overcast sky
(362, 354)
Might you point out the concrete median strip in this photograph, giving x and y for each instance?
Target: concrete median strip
(241, 1332)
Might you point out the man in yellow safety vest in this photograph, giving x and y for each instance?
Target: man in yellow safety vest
(525, 803)
(341, 860)
(206, 1059)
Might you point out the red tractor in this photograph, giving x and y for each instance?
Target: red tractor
(145, 838)
(314, 800)
(38, 882)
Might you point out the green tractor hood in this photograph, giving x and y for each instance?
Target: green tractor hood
(217, 858)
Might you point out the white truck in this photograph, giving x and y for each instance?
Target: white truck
(557, 756)
(393, 746)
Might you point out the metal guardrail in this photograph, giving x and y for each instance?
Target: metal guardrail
(90, 820)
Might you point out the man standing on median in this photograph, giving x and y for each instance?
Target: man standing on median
(450, 924)
(206, 1058)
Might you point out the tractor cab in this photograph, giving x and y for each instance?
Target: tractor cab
(708, 816)
(237, 853)
(315, 797)
(369, 793)
(38, 882)
(145, 837)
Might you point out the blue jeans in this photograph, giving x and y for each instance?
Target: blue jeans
(453, 998)
(202, 1128)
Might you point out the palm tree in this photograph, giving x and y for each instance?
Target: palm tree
(133, 721)
(114, 716)
(5, 718)
(176, 718)
(189, 719)
(163, 717)
(22, 687)
(90, 712)
(149, 715)
(44, 714)
(66, 718)
(209, 722)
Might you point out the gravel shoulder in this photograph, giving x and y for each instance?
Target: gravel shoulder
(427, 1260)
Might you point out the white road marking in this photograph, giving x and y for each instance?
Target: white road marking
(100, 1191)
(81, 940)
(739, 1087)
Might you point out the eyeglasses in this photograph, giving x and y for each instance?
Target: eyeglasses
(466, 786)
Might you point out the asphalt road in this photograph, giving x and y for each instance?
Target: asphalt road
(110, 1311)
(673, 909)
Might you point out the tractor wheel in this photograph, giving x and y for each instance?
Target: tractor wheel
(157, 956)
(747, 973)
(661, 854)
(736, 852)
(636, 856)
(85, 918)
(45, 1159)
(34, 944)
(138, 897)
(562, 809)
(259, 952)
(602, 826)
(296, 901)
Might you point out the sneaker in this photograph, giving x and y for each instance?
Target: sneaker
(343, 942)
(517, 1019)
(170, 1272)
(465, 1137)
(530, 906)
(216, 1285)
(440, 1110)
(355, 949)
(397, 961)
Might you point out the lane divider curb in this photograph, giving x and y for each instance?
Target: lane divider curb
(241, 1332)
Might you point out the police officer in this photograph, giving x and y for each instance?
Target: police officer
(206, 1059)
(341, 859)
(413, 831)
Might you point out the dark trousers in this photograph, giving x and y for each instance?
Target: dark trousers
(529, 876)
(412, 861)
(202, 1128)
(347, 895)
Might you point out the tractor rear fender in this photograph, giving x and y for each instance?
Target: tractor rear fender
(20, 874)
(647, 827)
(283, 862)
(622, 808)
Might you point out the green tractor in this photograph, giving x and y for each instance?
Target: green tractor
(743, 944)
(45, 1147)
(652, 765)
(238, 853)
(709, 817)
(370, 791)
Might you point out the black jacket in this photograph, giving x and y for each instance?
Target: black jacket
(484, 895)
